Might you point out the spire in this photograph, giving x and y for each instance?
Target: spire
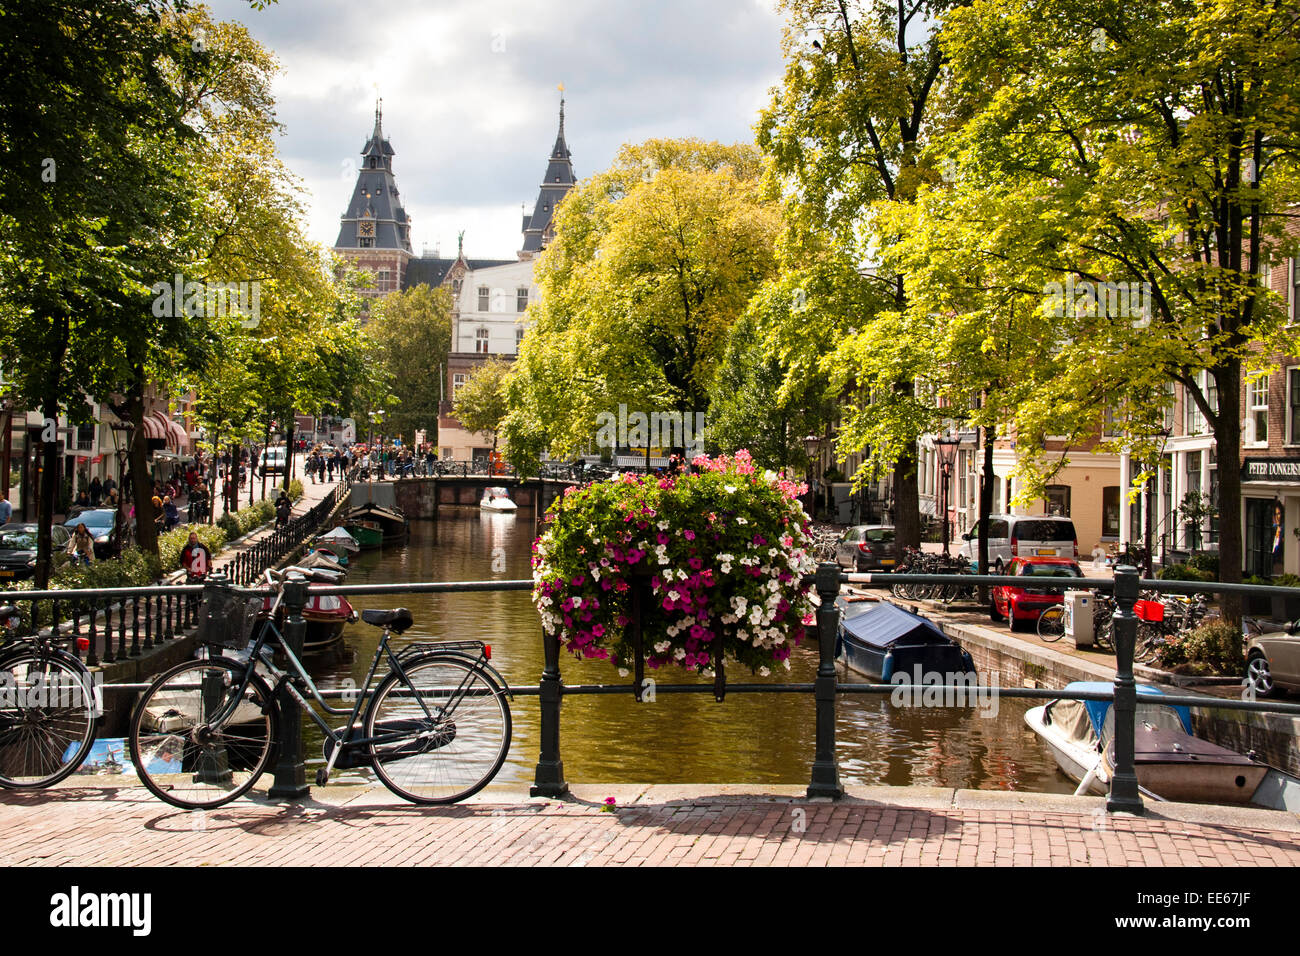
(375, 217)
(378, 134)
(556, 183)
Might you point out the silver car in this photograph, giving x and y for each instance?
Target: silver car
(1273, 661)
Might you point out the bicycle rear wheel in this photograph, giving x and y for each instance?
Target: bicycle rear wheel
(47, 719)
(451, 747)
(181, 755)
(1051, 623)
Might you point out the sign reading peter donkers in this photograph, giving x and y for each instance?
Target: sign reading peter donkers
(1271, 469)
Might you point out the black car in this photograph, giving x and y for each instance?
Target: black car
(104, 525)
(18, 549)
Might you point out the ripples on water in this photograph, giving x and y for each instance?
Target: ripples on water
(681, 738)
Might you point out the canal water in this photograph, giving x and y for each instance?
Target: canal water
(680, 738)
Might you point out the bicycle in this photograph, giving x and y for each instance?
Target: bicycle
(435, 730)
(1051, 622)
(49, 710)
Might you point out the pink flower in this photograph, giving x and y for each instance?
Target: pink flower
(690, 535)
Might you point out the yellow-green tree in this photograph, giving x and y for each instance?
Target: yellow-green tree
(412, 329)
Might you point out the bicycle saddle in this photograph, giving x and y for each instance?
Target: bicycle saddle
(397, 620)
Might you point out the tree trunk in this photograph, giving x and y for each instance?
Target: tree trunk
(146, 533)
(986, 509)
(45, 512)
(1227, 438)
(288, 452)
(907, 504)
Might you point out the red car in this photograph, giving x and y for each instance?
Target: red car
(1019, 603)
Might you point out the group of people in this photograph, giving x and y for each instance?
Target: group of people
(324, 464)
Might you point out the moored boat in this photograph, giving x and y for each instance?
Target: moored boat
(388, 520)
(881, 639)
(1170, 762)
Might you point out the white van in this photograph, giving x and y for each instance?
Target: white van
(272, 462)
(1013, 536)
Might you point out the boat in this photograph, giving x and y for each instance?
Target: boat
(326, 616)
(1171, 763)
(881, 639)
(497, 499)
(375, 525)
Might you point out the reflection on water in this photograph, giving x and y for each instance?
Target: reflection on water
(681, 738)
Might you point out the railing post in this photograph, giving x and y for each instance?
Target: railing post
(548, 780)
(1124, 795)
(825, 770)
(290, 770)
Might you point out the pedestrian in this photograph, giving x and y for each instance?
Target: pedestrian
(6, 509)
(196, 559)
(109, 486)
(171, 512)
(96, 492)
(329, 465)
(282, 509)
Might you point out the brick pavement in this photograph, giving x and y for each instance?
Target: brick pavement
(91, 822)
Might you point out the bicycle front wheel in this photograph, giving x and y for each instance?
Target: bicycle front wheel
(446, 744)
(47, 720)
(1051, 623)
(197, 740)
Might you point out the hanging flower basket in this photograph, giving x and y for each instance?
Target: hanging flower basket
(724, 549)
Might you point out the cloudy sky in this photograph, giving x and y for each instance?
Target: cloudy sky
(470, 95)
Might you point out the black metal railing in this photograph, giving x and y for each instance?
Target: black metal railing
(162, 605)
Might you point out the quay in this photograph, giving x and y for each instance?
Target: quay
(105, 821)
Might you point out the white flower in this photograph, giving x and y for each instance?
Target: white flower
(755, 614)
(663, 525)
(763, 672)
(679, 654)
(731, 489)
(673, 595)
(662, 646)
(742, 521)
(577, 603)
(623, 672)
(786, 663)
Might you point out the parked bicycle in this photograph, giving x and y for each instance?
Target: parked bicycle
(436, 728)
(1051, 622)
(48, 708)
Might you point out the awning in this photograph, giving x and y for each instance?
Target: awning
(178, 435)
(155, 426)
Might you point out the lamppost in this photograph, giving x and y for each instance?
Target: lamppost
(947, 449)
(1165, 434)
(812, 445)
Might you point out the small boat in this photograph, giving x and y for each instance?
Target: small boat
(1171, 764)
(497, 499)
(326, 616)
(332, 560)
(338, 541)
(374, 525)
(882, 639)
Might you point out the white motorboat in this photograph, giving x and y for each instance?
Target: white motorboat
(497, 499)
(1171, 763)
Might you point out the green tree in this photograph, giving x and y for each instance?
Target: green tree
(653, 261)
(481, 404)
(413, 331)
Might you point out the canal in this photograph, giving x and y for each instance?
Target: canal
(680, 738)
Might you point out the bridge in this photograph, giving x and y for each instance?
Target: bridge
(423, 497)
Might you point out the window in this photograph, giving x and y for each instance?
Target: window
(457, 380)
(455, 286)
(519, 338)
(1257, 410)
(1110, 511)
(1295, 291)
(484, 297)
(521, 300)
(481, 341)
(1293, 406)
(365, 242)
(1058, 500)
(1112, 426)
(86, 437)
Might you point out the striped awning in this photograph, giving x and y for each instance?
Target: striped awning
(158, 425)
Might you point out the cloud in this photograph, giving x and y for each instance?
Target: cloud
(470, 99)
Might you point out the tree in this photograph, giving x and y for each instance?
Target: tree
(1153, 145)
(846, 132)
(413, 331)
(481, 402)
(653, 261)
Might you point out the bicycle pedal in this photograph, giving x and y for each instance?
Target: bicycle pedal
(322, 777)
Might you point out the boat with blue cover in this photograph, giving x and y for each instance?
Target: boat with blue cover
(881, 639)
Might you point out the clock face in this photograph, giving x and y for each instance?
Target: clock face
(366, 229)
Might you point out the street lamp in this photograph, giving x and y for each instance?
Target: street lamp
(947, 448)
(811, 445)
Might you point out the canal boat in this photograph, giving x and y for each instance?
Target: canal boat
(881, 639)
(376, 525)
(1171, 763)
(497, 499)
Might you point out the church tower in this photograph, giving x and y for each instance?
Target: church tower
(559, 179)
(375, 232)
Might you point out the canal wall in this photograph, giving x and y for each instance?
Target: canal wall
(423, 497)
(1275, 738)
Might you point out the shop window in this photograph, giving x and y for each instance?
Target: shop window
(1110, 512)
(1058, 500)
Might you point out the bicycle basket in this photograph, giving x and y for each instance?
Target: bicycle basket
(227, 619)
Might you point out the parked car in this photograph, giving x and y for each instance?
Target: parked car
(273, 461)
(1273, 660)
(1024, 603)
(18, 549)
(105, 526)
(867, 547)
(1012, 536)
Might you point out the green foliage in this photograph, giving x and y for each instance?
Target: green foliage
(1215, 647)
(241, 522)
(1185, 572)
(481, 403)
(1205, 562)
(412, 330)
(295, 490)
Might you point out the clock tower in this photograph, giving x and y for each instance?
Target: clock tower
(375, 232)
